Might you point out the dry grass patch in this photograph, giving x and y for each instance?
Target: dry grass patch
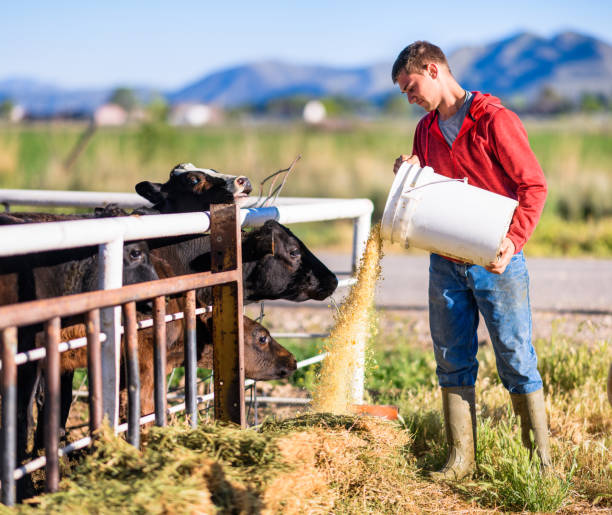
(317, 463)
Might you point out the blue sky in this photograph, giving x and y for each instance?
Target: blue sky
(167, 44)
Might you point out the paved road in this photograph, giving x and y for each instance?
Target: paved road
(575, 285)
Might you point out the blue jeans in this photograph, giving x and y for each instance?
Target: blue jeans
(457, 292)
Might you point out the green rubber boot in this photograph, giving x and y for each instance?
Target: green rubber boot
(459, 405)
(530, 408)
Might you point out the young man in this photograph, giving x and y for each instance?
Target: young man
(470, 134)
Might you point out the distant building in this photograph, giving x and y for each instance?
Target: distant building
(16, 114)
(193, 114)
(110, 115)
(314, 112)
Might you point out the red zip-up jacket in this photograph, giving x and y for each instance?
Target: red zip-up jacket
(493, 152)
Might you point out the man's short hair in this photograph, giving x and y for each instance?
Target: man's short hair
(415, 57)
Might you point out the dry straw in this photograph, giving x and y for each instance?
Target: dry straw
(353, 326)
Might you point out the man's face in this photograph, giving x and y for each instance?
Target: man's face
(420, 88)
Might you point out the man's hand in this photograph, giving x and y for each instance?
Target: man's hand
(506, 251)
(413, 160)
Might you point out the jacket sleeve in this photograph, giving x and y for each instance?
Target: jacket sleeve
(416, 145)
(513, 152)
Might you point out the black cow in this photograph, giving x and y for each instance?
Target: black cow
(193, 189)
(275, 264)
(188, 189)
(51, 274)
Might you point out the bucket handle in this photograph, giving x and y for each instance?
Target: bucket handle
(464, 181)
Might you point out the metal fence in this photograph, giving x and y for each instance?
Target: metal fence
(226, 280)
(110, 234)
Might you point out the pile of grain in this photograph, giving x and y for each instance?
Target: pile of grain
(352, 328)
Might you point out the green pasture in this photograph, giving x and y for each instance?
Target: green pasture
(348, 160)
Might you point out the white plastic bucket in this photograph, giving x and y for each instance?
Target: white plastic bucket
(447, 216)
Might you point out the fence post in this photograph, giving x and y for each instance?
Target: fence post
(110, 268)
(228, 346)
(9, 415)
(159, 359)
(52, 403)
(191, 359)
(361, 231)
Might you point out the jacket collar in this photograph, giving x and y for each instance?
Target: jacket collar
(479, 105)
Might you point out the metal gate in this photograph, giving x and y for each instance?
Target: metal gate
(110, 235)
(228, 366)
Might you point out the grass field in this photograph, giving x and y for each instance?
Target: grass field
(348, 161)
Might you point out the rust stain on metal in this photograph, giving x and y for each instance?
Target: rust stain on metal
(52, 403)
(190, 350)
(159, 359)
(8, 434)
(36, 311)
(228, 348)
(94, 369)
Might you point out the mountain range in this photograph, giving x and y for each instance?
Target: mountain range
(517, 66)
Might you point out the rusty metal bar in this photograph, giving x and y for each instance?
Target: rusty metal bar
(52, 403)
(32, 312)
(94, 369)
(133, 373)
(9, 415)
(228, 346)
(159, 359)
(191, 359)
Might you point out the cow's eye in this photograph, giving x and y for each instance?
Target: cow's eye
(135, 254)
(193, 179)
(263, 340)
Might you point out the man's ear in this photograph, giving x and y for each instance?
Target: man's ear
(432, 69)
(151, 191)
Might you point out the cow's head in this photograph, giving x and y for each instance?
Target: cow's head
(194, 189)
(277, 265)
(137, 266)
(264, 357)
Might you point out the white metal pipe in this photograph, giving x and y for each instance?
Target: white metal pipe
(302, 336)
(360, 237)
(41, 352)
(361, 232)
(311, 361)
(324, 209)
(91, 199)
(110, 269)
(85, 199)
(23, 239)
(343, 283)
(281, 400)
(41, 461)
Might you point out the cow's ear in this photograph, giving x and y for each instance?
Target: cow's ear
(151, 191)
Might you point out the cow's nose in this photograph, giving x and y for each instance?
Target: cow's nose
(285, 372)
(243, 184)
